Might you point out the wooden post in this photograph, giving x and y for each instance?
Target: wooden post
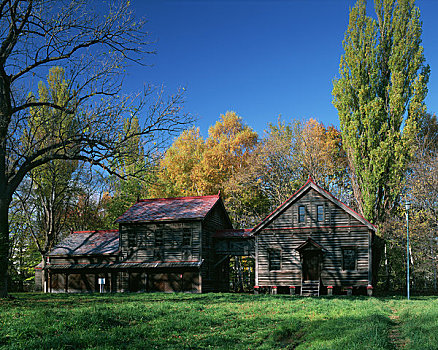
(66, 282)
(274, 290)
(292, 290)
(370, 290)
(330, 290)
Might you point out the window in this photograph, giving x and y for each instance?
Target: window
(131, 237)
(187, 237)
(301, 213)
(349, 258)
(274, 259)
(320, 213)
(158, 237)
(158, 254)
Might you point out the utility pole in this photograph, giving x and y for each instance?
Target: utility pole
(407, 206)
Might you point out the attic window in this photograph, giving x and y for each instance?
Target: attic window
(301, 213)
(320, 213)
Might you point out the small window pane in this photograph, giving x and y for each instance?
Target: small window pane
(301, 213)
(131, 237)
(158, 238)
(320, 210)
(187, 237)
(274, 259)
(349, 259)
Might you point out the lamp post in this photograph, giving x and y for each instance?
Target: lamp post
(407, 206)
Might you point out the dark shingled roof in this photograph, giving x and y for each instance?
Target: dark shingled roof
(88, 243)
(231, 233)
(126, 265)
(169, 209)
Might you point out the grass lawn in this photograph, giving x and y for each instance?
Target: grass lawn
(216, 321)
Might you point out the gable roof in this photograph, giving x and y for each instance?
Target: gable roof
(177, 208)
(311, 184)
(100, 242)
(310, 243)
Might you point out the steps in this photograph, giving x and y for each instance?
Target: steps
(310, 288)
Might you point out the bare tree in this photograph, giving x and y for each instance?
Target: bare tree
(93, 45)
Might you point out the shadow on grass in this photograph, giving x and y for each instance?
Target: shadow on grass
(220, 321)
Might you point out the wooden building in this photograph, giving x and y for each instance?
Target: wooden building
(163, 244)
(313, 242)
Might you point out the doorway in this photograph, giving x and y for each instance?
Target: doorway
(311, 266)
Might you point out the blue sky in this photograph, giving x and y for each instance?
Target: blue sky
(259, 58)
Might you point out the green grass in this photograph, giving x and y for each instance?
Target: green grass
(214, 321)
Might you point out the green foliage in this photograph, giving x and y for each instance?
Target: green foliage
(42, 204)
(380, 97)
(219, 321)
(133, 173)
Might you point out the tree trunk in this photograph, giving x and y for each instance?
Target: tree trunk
(44, 275)
(4, 247)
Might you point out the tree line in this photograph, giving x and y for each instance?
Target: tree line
(74, 153)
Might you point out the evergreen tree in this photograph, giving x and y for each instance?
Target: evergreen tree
(379, 97)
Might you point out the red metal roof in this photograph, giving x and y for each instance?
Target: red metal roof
(231, 233)
(125, 265)
(100, 242)
(157, 209)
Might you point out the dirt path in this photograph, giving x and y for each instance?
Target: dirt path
(394, 332)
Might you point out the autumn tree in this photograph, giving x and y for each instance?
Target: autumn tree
(193, 166)
(380, 97)
(92, 42)
(180, 172)
(320, 152)
(228, 148)
(282, 161)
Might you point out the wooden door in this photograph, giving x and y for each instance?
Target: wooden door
(311, 269)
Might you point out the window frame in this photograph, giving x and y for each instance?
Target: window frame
(187, 231)
(270, 252)
(354, 249)
(302, 217)
(318, 206)
(161, 233)
(131, 236)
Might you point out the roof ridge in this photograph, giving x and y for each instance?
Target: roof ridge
(309, 183)
(173, 198)
(235, 230)
(103, 230)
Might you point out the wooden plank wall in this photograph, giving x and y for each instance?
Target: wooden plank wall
(171, 249)
(338, 230)
(211, 275)
(235, 246)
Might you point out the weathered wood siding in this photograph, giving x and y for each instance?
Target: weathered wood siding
(338, 230)
(146, 250)
(333, 214)
(235, 246)
(216, 219)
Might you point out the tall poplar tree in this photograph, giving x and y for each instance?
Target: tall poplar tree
(380, 97)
